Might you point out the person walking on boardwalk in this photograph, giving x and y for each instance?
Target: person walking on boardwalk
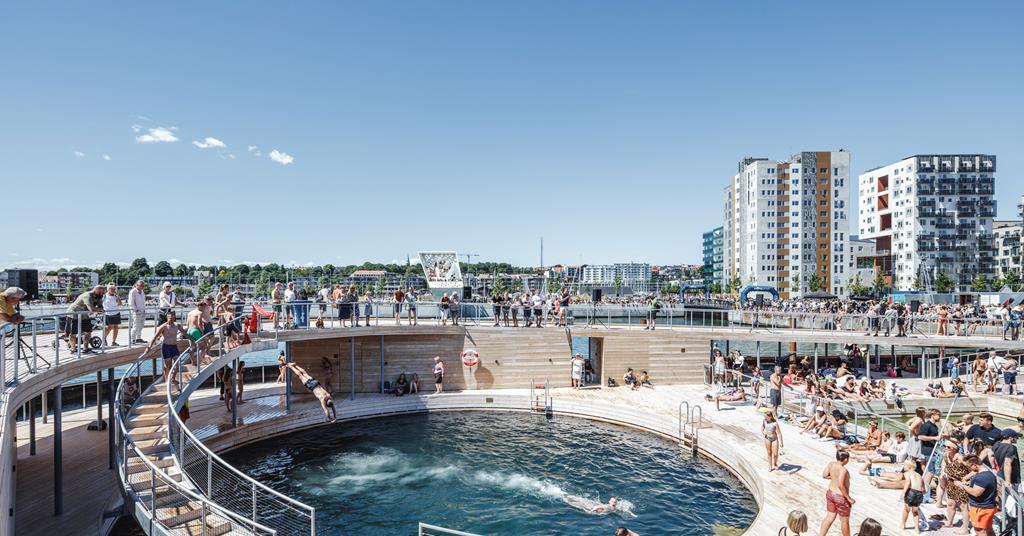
(838, 501)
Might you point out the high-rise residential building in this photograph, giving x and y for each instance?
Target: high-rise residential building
(930, 214)
(787, 226)
(634, 276)
(712, 270)
(1008, 248)
(860, 261)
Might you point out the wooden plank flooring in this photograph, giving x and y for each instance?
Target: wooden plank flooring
(89, 486)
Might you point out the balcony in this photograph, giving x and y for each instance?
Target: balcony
(986, 181)
(985, 190)
(944, 223)
(923, 212)
(966, 186)
(944, 259)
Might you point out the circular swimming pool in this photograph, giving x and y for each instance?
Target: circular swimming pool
(497, 473)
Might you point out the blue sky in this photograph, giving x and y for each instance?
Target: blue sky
(608, 128)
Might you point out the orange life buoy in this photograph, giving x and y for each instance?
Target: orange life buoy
(470, 358)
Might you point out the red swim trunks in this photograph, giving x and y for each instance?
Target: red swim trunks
(837, 504)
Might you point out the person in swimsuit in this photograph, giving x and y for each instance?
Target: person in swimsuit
(169, 332)
(326, 401)
(913, 494)
(737, 395)
(607, 507)
(775, 391)
(438, 375)
(772, 434)
(838, 501)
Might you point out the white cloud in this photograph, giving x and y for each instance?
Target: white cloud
(79, 154)
(281, 157)
(255, 150)
(231, 156)
(209, 143)
(156, 135)
(106, 157)
(136, 128)
(141, 118)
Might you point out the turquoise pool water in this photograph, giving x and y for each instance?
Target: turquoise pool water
(497, 473)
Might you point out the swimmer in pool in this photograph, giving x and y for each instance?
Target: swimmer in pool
(601, 508)
(326, 401)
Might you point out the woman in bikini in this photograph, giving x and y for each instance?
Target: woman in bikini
(772, 434)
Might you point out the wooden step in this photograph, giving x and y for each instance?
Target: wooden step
(153, 446)
(150, 409)
(215, 526)
(180, 515)
(138, 467)
(165, 497)
(142, 433)
(146, 420)
(142, 480)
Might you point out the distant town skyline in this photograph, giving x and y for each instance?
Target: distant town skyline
(337, 133)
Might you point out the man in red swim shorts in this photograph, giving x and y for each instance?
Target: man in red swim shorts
(837, 499)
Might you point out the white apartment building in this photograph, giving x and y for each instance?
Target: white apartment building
(1007, 235)
(929, 214)
(787, 222)
(860, 261)
(636, 276)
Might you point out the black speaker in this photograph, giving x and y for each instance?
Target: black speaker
(467, 293)
(914, 306)
(27, 280)
(595, 295)
(760, 300)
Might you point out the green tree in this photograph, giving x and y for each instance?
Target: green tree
(1011, 279)
(204, 288)
(916, 285)
(715, 288)
(163, 269)
(796, 283)
(814, 282)
(878, 284)
(499, 286)
(617, 284)
(856, 287)
(554, 284)
(980, 284)
(378, 288)
(944, 283)
(735, 284)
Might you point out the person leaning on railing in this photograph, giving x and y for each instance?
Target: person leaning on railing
(9, 315)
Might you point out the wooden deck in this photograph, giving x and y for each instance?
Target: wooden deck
(90, 487)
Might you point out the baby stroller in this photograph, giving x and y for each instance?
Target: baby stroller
(71, 328)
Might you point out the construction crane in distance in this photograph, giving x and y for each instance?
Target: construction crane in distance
(469, 257)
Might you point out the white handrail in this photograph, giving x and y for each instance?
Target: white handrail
(176, 426)
(125, 442)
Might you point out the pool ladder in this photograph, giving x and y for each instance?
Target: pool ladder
(689, 428)
(540, 401)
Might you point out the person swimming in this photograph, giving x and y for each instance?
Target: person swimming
(607, 507)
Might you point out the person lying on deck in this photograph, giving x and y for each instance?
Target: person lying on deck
(326, 402)
(737, 395)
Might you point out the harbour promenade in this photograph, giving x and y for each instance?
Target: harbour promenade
(25, 382)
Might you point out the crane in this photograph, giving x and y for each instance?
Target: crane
(469, 257)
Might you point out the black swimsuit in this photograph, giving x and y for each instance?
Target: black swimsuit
(312, 384)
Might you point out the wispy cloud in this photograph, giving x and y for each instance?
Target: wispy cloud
(281, 157)
(140, 117)
(255, 150)
(156, 135)
(209, 143)
(105, 157)
(79, 154)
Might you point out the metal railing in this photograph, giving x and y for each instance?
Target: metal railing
(216, 479)
(434, 530)
(164, 501)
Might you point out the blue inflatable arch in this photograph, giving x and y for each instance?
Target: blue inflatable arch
(748, 289)
(682, 291)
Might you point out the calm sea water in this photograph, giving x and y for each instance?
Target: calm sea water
(497, 473)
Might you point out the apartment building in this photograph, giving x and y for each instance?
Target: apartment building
(635, 276)
(1008, 249)
(787, 223)
(930, 214)
(712, 248)
(861, 261)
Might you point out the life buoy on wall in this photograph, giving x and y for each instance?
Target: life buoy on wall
(470, 358)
